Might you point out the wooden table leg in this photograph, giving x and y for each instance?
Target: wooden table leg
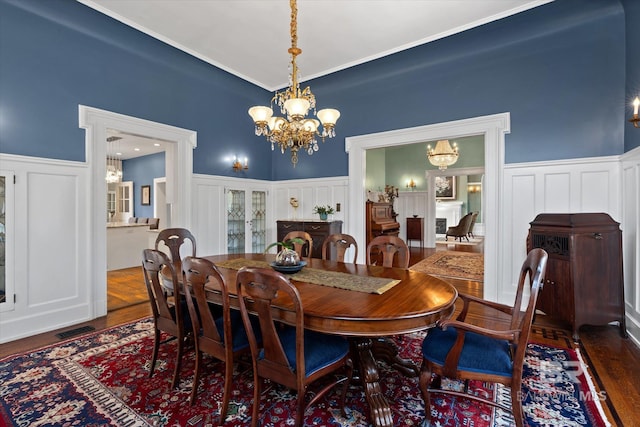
(385, 349)
(379, 407)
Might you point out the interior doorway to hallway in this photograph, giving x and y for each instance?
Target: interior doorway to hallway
(179, 166)
(493, 127)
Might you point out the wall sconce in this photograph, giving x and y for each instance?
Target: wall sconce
(411, 184)
(473, 188)
(635, 119)
(237, 166)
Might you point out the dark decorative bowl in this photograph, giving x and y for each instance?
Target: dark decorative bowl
(288, 269)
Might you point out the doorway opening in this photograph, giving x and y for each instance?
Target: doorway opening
(179, 170)
(493, 127)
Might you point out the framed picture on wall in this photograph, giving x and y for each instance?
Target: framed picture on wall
(145, 194)
(445, 187)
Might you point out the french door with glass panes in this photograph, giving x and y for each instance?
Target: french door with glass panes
(7, 259)
(246, 221)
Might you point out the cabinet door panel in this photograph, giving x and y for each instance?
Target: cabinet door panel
(556, 297)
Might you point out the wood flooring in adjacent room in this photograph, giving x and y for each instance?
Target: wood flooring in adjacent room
(614, 362)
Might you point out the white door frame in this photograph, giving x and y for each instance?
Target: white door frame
(493, 127)
(179, 172)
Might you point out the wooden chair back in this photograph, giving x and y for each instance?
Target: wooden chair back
(262, 286)
(198, 274)
(303, 250)
(258, 290)
(168, 313)
(174, 238)
(517, 337)
(336, 245)
(388, 247)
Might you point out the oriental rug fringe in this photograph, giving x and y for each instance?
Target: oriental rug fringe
(101, 379)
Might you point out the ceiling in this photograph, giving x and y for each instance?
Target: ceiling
(250, 38)
(127, 146)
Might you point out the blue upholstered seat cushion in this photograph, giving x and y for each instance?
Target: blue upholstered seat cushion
(479, 354)
(238, 333)
(320, 350)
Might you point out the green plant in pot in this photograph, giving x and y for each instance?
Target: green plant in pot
(287, 256)
(323, 211)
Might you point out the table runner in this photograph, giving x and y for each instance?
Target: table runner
(334, 279)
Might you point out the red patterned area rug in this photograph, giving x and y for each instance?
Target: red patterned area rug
(457, 265)
(101, 379)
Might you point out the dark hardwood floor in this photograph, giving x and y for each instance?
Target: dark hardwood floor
(614, 361)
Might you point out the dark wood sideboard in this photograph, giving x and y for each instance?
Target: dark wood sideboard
(584, 280)
(318, 230)
(415, 230)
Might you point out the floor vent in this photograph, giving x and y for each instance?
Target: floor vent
(76, 331)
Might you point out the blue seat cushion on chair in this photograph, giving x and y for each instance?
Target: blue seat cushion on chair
(320, 350)
(238, 333)
(480, 354)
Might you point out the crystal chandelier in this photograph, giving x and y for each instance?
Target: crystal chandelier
(443, 155)
(114, 165)
(294, 131)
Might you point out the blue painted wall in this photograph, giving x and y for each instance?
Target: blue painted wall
(142, 171)
(632, 20)
(56, 54)
(559, 69)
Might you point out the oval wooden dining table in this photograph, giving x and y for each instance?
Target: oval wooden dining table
(414, 303)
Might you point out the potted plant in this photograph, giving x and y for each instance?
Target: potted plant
(287, 256)
(323, 211)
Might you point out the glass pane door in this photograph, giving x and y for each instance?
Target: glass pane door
(236, 222)
(246, 227)
(124, 201)
(258, 221)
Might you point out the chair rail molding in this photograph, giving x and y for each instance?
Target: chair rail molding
(493, 127)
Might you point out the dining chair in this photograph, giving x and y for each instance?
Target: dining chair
(301, 248)
(170, 315)
(174, 239)
(288, 355)
(335, 246)
(218, 330)
(456, 349)
(388, 247)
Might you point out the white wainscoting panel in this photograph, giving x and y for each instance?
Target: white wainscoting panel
(310, 193)
(631, 240)
(52, 262)
(407, 204)
(583, 185)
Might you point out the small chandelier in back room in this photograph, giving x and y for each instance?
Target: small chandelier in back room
(294, 131)
(443, 155)
(114, 164)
